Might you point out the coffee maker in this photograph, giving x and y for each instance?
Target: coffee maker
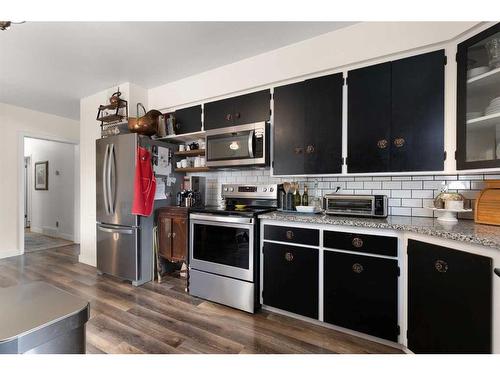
(193, 193)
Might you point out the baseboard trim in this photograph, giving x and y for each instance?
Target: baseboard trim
(10, 253)
(52, 232)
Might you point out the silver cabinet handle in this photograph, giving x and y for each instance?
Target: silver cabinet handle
(104, 179)
(173, 235)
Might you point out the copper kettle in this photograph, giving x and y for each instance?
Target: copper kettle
(147, 124)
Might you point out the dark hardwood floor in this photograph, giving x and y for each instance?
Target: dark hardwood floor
(163, 318)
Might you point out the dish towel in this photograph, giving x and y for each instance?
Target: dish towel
(144, 184)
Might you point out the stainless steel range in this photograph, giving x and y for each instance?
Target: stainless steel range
(223, 246)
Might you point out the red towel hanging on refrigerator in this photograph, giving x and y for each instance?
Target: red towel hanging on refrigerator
(144, 184)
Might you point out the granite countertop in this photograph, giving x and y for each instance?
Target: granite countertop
(463, 231)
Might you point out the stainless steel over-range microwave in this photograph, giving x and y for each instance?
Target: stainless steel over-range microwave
(238, 146)
(356, 205)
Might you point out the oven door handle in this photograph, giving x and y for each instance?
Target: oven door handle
(222, 219)
(250, 143)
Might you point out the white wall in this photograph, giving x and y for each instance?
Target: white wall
(89, 132)
(16, 121)
(55, 205)
(361, 43)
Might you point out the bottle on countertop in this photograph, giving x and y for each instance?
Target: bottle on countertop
(305, 197)
(296, 196)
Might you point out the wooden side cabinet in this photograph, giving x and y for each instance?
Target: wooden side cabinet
(173, 233)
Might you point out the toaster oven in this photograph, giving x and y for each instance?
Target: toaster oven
(356, 205)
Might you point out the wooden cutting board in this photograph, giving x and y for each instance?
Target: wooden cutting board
(488, 204)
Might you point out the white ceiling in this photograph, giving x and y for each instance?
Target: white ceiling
(49, 66)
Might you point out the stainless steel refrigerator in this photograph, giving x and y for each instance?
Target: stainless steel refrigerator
(124, 240)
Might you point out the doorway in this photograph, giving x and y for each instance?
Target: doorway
(49, 194)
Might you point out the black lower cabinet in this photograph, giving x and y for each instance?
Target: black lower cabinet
(449, 300)
(291, 279)
(361, 293)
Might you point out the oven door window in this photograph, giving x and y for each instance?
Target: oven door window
(230, 146)
(224, 245)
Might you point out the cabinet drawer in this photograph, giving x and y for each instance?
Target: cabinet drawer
(291, 275)
(291, 234)
(362, 243)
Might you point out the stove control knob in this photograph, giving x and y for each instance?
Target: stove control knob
(231, 189)
(264, 190)
(271, 189)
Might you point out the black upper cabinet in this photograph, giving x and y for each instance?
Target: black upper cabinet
(323, 125)
(478, 115)
(188, 120)
(396, 115)
(239, 110)
(417, 127)
(449, 300)
(308, 126)
(369, 118)
(288, 140)
(361, 293)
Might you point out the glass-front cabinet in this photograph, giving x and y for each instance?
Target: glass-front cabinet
(478, 106)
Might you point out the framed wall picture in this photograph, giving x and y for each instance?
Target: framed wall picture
(42, 175)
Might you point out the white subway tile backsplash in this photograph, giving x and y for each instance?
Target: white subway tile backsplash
(382, 192)
(409, 185)
(411, 202)
(394, 202)
(355, 185)
(408, 195)
(373, 185)
(422, 194)
(401, 193)
(433, 185)
(422, 178)
(362, 192)
(471, 177)
(401, 211)
(492, 176)
(392, 185)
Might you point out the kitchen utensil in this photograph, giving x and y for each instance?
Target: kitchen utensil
(147, 124)
(115, 98)
(187, 147)
(182, 148)
(162, 127)
(179, 164)
(184, 163)
(487, 211)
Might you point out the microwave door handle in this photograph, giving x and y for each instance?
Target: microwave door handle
(104, 180)
(250, 143)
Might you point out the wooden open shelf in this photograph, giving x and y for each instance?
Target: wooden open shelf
(199, 152)
(192, 169)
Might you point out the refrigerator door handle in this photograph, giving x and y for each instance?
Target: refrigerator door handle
(111, 175)
(104, 181)
(107, 229)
